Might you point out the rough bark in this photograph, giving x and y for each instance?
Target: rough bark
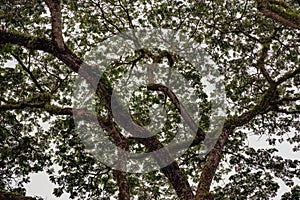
(280, 16)
(211, 166)
(55, 10)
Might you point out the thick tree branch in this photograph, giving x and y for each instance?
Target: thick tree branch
(280, 12)
(211, 165)
(121, 175)
(37, 101)
(55, 10)
(123, 185)
(13, 196)
(171, 171)
(43, 44)
(21, 105)
(45, 106)
(279, 18)
(260, 108)
(30, 42)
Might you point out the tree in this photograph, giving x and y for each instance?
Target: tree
(254, 43)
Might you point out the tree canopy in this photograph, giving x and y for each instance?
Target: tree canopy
(254, 45)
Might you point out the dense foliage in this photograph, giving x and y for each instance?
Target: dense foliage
(255, 45)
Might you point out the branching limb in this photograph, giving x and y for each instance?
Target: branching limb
(263, 106)
(162, 157)
(231, 123)
(127, 15)
(288, 75)
(29, 72)
(44, 44)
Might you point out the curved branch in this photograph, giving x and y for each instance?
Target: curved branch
(44, 44)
